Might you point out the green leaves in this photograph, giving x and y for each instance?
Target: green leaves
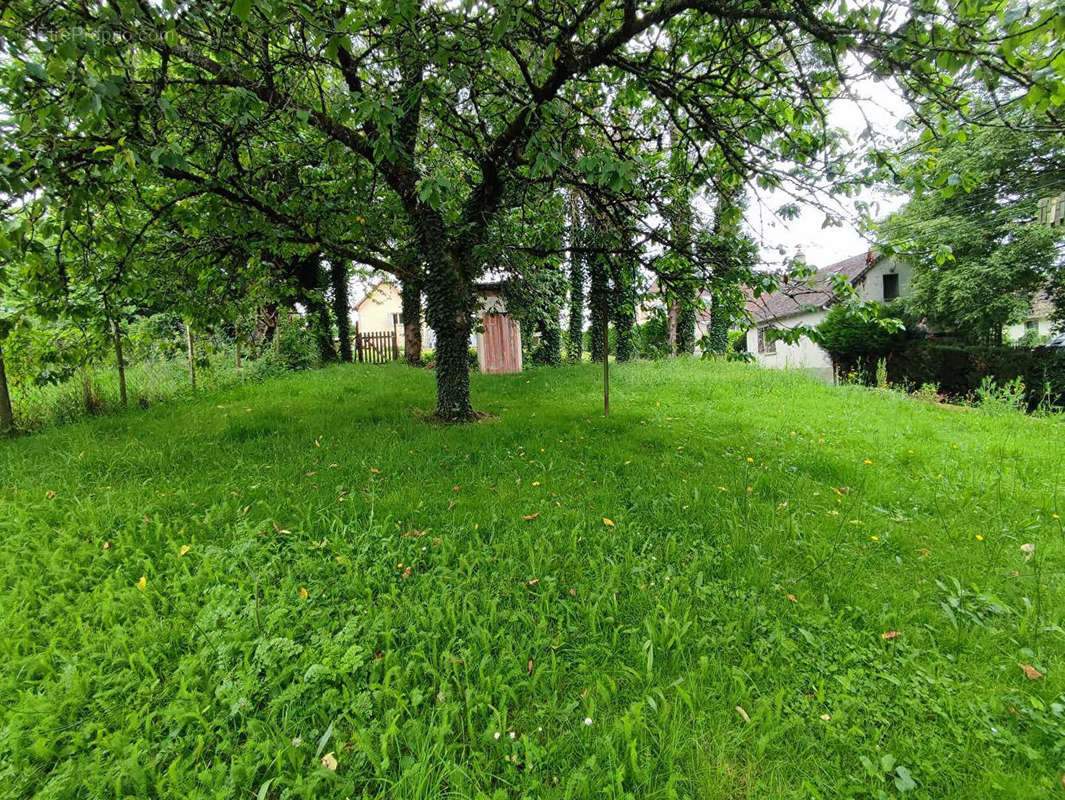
(242, 9)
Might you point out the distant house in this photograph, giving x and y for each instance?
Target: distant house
(381, 309)
(806, 304)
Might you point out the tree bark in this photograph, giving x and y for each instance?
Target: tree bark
(598, 306)
(338, 274)
(623, 271)
(7, 414)
(411, 292)
(309, 277)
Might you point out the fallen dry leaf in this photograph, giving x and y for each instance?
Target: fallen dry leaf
(608, 522)
(530, 516)
(529, 667)
(49, 494)
(533, 582)
(407, 573)
(1030, 672)
(413, 533)
(889, 634)
(825, 717)
(792, 597)
(142, 583)
(107, 545)
(742, 713)
(329, 761)
(184, 549)
(303, 593)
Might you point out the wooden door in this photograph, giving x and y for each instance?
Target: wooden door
(501, 343)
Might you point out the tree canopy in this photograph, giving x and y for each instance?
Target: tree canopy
(215, 146)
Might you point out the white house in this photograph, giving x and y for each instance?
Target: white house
(874, 277)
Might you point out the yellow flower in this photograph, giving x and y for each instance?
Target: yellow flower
(1054, 516)
(875, 538)
(184, 549)
(303, 593)
(142, 583)
(867, 461)
(608, 522)
(750, 460)
(979, 537)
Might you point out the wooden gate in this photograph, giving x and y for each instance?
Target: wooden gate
(376, 347)
(499, 349)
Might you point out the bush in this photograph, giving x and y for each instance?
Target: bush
(960, 371)
(296, 347)
(856, 342)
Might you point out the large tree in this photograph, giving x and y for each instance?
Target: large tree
(971, 229)
(430, 120)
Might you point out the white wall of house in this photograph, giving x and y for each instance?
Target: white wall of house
(871, 288)
(382, 310)
(804, 354)
(1044, 327)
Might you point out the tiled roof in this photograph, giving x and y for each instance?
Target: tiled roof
(812, 293)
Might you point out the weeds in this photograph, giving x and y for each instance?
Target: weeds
(341, 600)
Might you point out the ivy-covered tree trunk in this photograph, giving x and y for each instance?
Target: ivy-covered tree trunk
(686, 325)
(727, 222)
(411, 294)
(449, 312)
(717, 334)
(598, 305)
(575, 330)
(7, 415)
(623, 305)
(311, 285)
(338, 275)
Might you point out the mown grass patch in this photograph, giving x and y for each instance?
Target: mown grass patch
(687, 599)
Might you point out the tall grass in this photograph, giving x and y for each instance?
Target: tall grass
(742, 583)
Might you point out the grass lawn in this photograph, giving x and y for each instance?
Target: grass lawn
(743, 584)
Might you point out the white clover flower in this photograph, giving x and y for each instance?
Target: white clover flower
(513, 735)
(297, 742)
(496, 735)
(587, 720)
(1027, 548)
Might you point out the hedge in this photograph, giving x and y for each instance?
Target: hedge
(958, 370)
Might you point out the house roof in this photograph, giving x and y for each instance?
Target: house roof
(816, 292)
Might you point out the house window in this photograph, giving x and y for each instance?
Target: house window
(891, 286)
(766, 345)
(1031, 325)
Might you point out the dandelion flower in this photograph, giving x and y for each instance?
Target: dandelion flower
(142, 583)
(979, 537)
(875, 538)
(867, 461)
(750, 460)
(1054, 516)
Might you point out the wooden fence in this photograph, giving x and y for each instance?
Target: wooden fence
(376, 347)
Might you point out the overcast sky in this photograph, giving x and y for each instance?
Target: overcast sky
(884, 110)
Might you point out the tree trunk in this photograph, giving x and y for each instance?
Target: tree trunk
(192, 356)
(308, 270)
(450, 315)
(116, 333)
(672, 315)
(411, 292)
(719, 325)
(7, 415)
(598, 306)
(338, 274)
(575, 334)
(623, 269)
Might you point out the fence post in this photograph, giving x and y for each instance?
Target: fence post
(358, 342)
(395, 344)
